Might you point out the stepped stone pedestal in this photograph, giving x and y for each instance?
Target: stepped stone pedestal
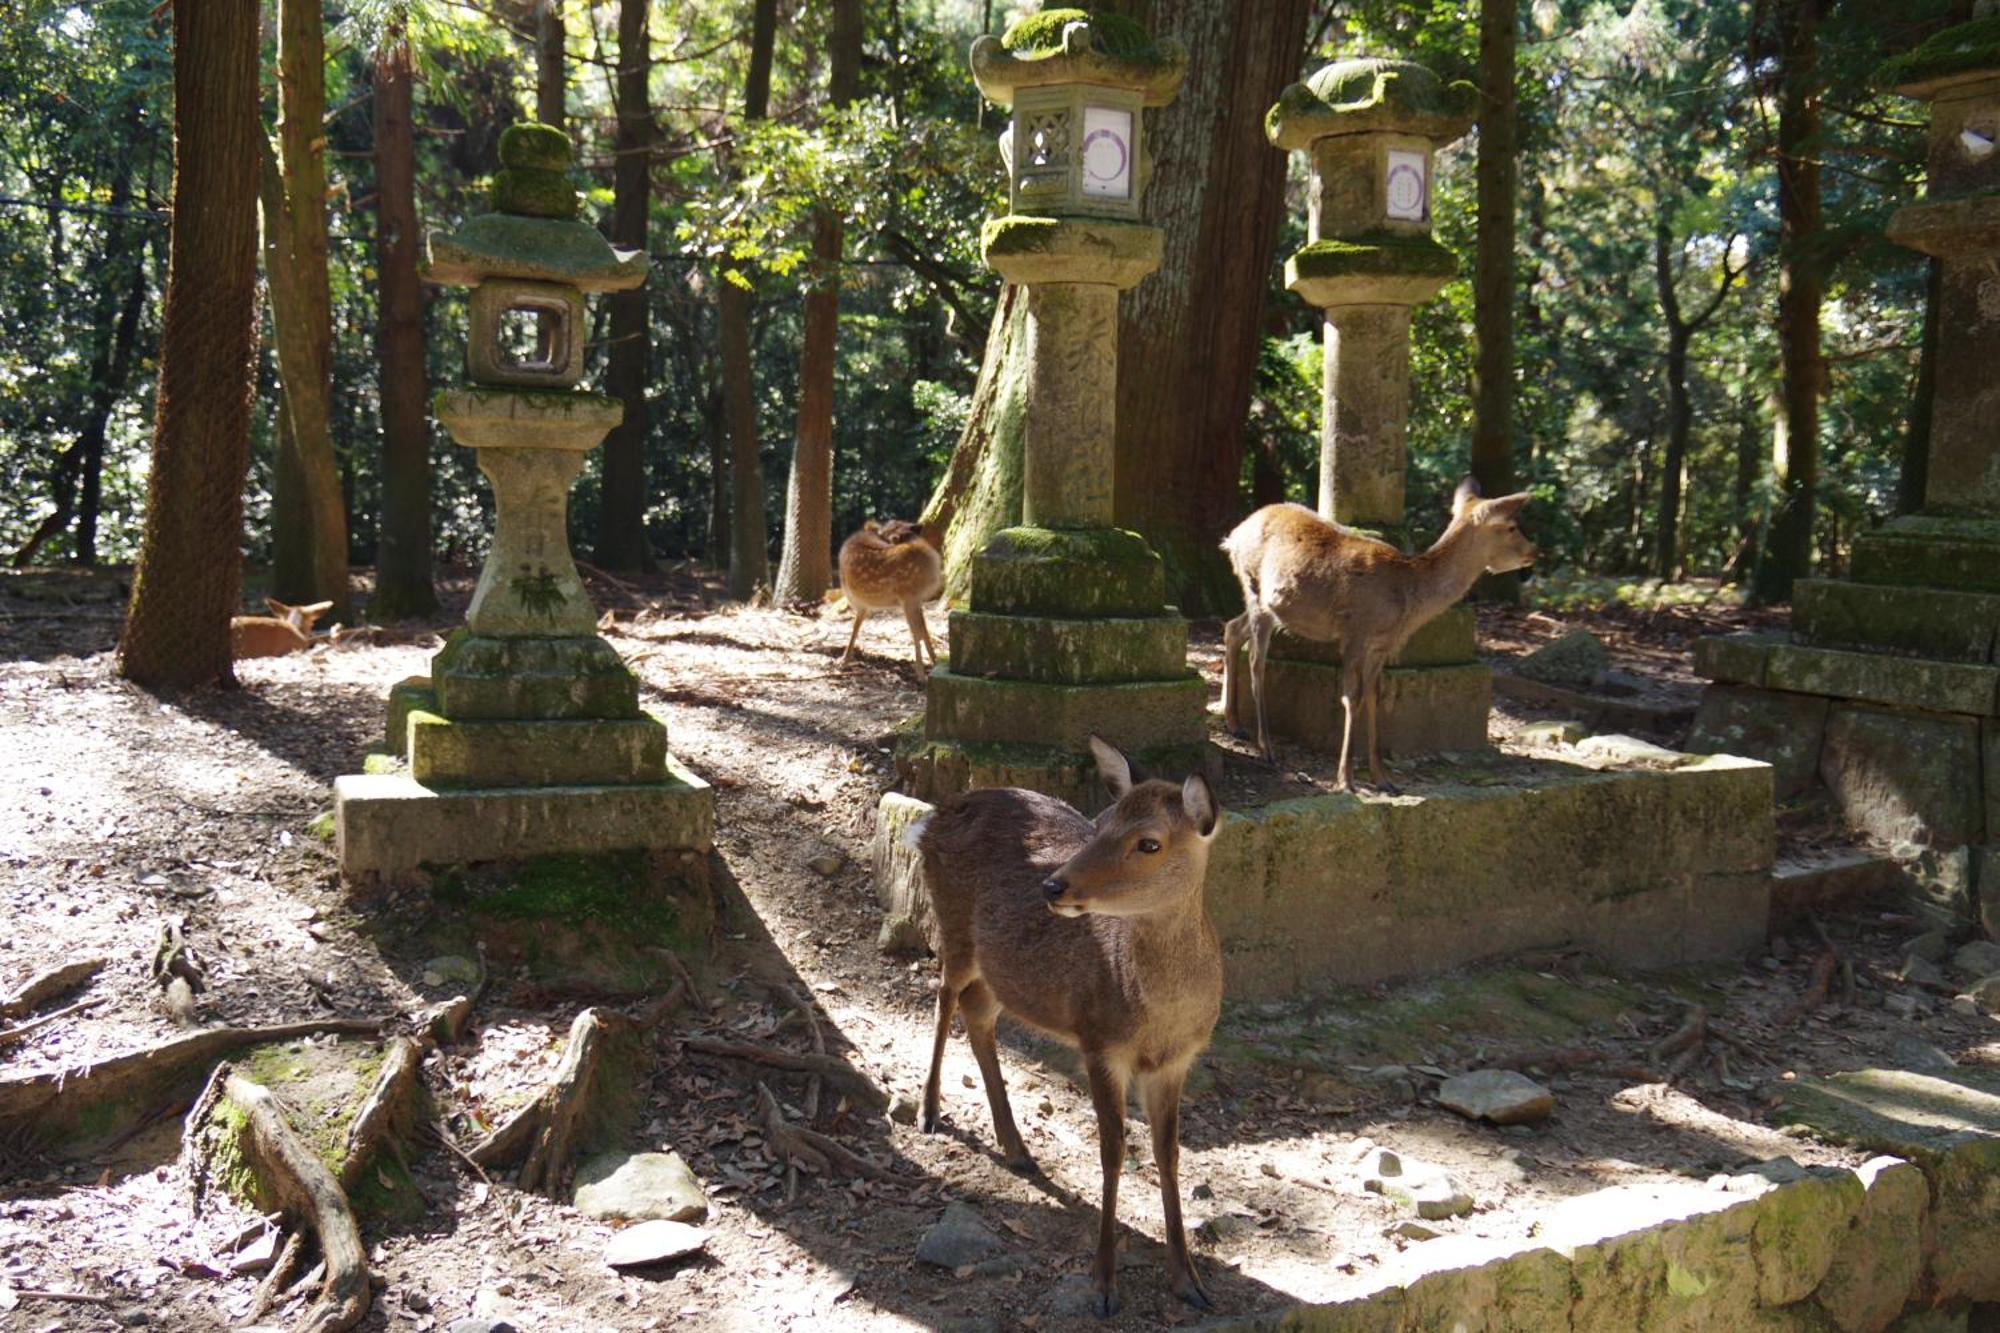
(1887, 691)
(527, 738)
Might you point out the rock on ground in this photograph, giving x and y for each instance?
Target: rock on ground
(653, 1243)
(1499, 1095)
(639, 1187)
(959, 1238)
(1577, 658)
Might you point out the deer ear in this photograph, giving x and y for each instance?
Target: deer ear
(277, 607)
(1462, 498)
(1509, 505)
(1198, 802)
(1113, 767)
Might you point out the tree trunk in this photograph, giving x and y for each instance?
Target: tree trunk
(1743, 512)
(1680, 425)
(1915, 478)
(550, 37)
(805, 567)
(302, 316)
(1498, 174)
(1801, 284)
(189, 577)
(749, 546)
(621, 531)
(1189, 334)
(403, 586)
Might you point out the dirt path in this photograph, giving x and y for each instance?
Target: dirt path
(119, 809)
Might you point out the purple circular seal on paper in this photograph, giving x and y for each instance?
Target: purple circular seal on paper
(1406, 190)
(1091, 157)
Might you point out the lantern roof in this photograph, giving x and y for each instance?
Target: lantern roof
(1964, 53)
(1061, 45)
(1366, 95)
(533, 232)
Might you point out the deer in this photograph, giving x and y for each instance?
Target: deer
(1319, 580)
(286, 630)
(1095, 933)
(885, 566)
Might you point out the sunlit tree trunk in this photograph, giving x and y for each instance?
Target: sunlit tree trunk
(621, 534)
(1497, 174)
(749, 544)
(189, 576)
(805, 566)
(302, 316)
(403, 552)
(551, 91)
(1681, 329)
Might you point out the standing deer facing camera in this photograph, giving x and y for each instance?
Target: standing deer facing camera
(886, 566)
(1319, 580)
(1096, 934)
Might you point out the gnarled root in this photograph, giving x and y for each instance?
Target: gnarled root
(547, 1134)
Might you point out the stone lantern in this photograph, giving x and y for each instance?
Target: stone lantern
(527, 738)
(1372, 128)
(1067, 631)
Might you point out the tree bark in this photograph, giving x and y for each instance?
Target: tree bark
(1914, 479)
(189, 577)
(805, 566)
(551, 94)
(1801, 285)
(302, 317)
(749, 544)
(403, 587)
(1681, 328)
(1497, 176)
(621, 531)
(1189, 334)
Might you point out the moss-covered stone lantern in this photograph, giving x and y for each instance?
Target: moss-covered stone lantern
(527, 738)
(1372, 128)
(1067, 631)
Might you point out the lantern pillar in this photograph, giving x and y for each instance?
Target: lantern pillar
(1067, 631)
(527, 738)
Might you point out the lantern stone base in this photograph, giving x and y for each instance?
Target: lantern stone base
(1435, 696)
(482, 677)
(444, 753)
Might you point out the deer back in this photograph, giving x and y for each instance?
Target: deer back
(886, 565)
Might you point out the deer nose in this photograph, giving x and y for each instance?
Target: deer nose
(1054, 887)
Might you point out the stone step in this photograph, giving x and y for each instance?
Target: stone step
(1939, 623)
(1815, 881)
(1930, 552)
(1130, 714)
(1447, 640)
(482, 678)
(388, 823)
(1082, 573)
(1903, 682)
(1067, 652)
(1423, 709)
(587, 751)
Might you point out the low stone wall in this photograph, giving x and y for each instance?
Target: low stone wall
(1643, 868)
(1890, 1245)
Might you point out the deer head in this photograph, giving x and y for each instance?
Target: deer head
(1492, 527)
(1150, 851)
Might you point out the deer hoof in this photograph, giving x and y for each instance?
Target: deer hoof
(1105, 1305)
(1021, 1163)
(1191, 1291)
(933, 1123)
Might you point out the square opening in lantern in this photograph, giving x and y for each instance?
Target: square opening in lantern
(526, 333)
(532, 337)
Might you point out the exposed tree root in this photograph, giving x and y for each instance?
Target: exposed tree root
(802, 1147)
(389, 1117)
(836, 1071)
(567, 1116)
(8, 1036)
(38, 991)
(1815, 991)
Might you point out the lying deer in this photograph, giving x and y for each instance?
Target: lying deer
(1096, 935)
(890, 565)
(286, 630)
(1319, 580)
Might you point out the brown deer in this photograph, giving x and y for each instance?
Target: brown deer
(1319, 580)
(1095, 934)
(885, 566)
(286, 630)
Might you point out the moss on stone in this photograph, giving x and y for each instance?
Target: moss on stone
(1376, 254)
(607, 888)
(535, 194)
(1111, 34)
(533, 146)
(538, 249)
(1072, 573)
(1067, 651)
(1369, 94)
(478, 677)
(1018, 234)
(1965, 49)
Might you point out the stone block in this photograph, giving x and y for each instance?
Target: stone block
(1798, 1233)
(1133, 715)
(908, 925)
(1736, 658)
(1922, 1117)
(480, 678)
(1987, 870)
(1904, 776)
(1930, 552)
(1068, 652)
(1965, 1208)
(1990, 747)
(1941, 888)
(406, 696)
(1877, 1267)
(1946, 625)
(389, 823)
(1423, 709)
(931, 769)
(1728, 914)
(1083, 573)
(1904, 682)
(1446, 640)
(1783, 730)
(579, 752)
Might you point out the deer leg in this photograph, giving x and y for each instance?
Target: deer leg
(947, 1002)
(1161, 1094)
(1107, 1094)
(1372, 691)
(1350, 703)
(852, 635)
(982, 1010)
(1262, 623)
(920, 636)
(923, 628)
(1232, 643)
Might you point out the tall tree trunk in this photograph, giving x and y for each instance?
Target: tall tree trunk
(551, 93)
(805, 567)
(403, 586)
(1189, 334)
(749, 544)
(1742, 507)
(621, 532)
(1681, 328)
(189, 578)
(1497, 174)
(302, 315)
(1914, 480)
(1801, 285)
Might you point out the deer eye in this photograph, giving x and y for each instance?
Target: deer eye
(1148, 845)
